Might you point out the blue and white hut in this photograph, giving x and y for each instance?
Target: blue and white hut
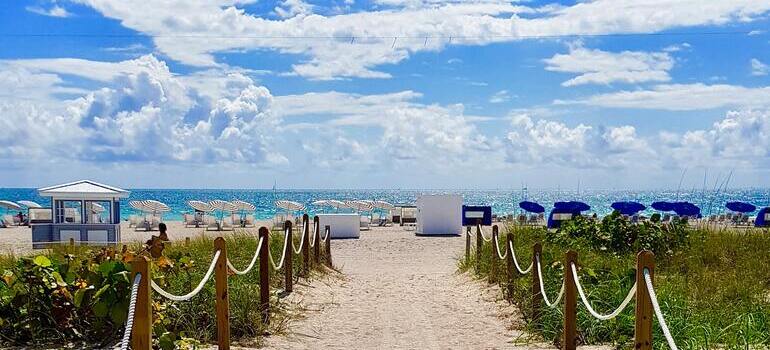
(86, 211)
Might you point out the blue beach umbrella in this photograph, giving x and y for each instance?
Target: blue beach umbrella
(571, 206)
(531, 207)
(686, 209)
(662, 206)
(628, 208)
(740, 207)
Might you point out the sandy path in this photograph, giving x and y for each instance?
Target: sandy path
(398, 291)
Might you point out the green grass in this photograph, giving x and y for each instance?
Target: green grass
(714, 293)
(195, 320)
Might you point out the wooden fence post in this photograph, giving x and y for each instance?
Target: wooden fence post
(317, 239)
(569, 337)
(494, 257)
(643, 310)
(141, 333)
(222, 297)
(509, 265)
(288, 268)
(537, 297)
(479, 246)
(264, 274)
(328, 244)
(468, 245)
(305, 246)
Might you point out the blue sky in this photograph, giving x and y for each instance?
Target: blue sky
(384, 93)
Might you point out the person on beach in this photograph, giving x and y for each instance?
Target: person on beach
(163, 235)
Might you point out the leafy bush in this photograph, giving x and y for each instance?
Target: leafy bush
(618, 235)
(70, 296)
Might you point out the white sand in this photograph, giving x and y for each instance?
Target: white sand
(399, 291)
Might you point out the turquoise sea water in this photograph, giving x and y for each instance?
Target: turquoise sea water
(502, 201)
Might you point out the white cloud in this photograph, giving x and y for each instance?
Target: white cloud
(601, 67)
(583, 146)
(291, 8)
(53, 11)
(682, 97)
(143, 114)
(500, 97)
(474, 23)
(758, 68)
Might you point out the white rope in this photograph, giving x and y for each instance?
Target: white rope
(251, 264)
(516, 262)
(312, 238)
(497, 247)
(481, 233)
(591, 310)
(301, 244)
(195, 291)
(131, 309)
(658, 313)
(327, 233)
(283, 252)
(542, 287)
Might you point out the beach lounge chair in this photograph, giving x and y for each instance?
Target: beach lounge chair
(249, 221)
(189, 220)
(210, 222)
(7, 221)
(365, 222)
(227, 223)
(522, 219)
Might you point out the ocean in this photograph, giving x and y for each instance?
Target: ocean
(502, 201)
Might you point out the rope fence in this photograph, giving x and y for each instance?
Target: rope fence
(642, 290)
(138, 331)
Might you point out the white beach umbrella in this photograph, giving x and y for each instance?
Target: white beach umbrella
(200, 206)
(243, 206)
(383, 205)
(8, 205)
(289, 205)
(359, 205)
(30, 204)
(321, 203)
(138, 205)
(155, 207)
(337, 204)
(221, 205)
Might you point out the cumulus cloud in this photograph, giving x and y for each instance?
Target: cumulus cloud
(470, 23)
(681, 97)
(601, 67)
(582, 146)
(146, 114)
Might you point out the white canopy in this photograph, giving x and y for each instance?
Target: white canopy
(200, 206)
(243, 206)
(289, 205)
(359, 205)
(83, 189)
(222, 205)
(9, 205)
(30, 204)
(383, 205)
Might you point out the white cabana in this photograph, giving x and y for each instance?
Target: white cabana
(289, 205)
(30, 204)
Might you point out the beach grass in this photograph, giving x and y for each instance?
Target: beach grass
(714, 291)
(176, 324)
